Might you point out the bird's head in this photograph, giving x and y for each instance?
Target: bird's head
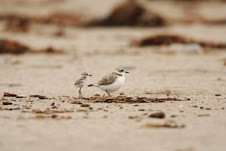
(121, 71)
(85, 74)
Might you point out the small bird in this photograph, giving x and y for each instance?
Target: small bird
(111, 82)
(80, 83)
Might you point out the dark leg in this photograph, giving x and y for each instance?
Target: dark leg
(108, 93)
(79, 93)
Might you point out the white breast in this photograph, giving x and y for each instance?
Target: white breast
(114, 86)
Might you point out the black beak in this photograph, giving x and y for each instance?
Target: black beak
(126, 72)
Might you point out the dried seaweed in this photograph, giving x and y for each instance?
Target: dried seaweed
(129, 13)
(16, 23)
(50, 111)
(6, 94)
(13, 47)
(167, 124)
(39, 96)
(8, 46)
(199, 20)
(7, 103)
(124, 99)
(167, 39)
(58, 18)
(54, 116)
(19, 22)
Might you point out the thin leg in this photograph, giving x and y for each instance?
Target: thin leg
(108, 93)
(79, 92)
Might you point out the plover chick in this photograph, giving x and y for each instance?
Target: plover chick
(111, 82)
(80, 83)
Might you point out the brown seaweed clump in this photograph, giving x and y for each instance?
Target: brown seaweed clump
(6, 94)
(58, 18)
(125, 99)
(13, 47)
(158, 40)
(16, 23)
(53, 116)
(21, 23)
(129, 13)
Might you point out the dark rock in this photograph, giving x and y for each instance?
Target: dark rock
(168, 39)
(159, 114)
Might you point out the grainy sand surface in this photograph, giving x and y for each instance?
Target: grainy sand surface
(197, 79)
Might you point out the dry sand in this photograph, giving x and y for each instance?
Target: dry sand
(198, 79)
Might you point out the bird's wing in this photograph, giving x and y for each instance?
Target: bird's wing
(108, 79)
(79, 81)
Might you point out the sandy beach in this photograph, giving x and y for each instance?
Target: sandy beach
(39, 106)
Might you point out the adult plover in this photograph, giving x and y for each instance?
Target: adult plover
(80, 83)
(111, 82)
